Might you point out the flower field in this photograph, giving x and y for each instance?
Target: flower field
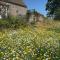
(40, 42)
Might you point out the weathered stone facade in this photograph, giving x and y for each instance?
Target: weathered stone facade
(13, 8)
(36, 17)
(16, 10)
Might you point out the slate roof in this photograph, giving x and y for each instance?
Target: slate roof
(17, 2)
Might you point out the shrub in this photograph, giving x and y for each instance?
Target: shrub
(4, 23)
(13, 22)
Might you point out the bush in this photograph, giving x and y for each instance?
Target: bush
(4, 23)
(13, 22)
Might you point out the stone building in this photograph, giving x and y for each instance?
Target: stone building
(35, 17)
(12, 7)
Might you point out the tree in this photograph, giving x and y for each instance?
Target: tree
(28, 14)
(53, 8)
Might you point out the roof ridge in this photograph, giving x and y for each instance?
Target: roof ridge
(17, 2)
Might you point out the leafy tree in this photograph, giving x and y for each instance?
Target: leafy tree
(53, 8)
(57, 14)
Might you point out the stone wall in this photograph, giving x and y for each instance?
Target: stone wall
(36, 18)
(11, 9)
(3, 9)
(16, 10)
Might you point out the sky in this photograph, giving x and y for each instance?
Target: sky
(38, 5)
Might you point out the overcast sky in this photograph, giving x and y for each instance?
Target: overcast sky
(38, 5)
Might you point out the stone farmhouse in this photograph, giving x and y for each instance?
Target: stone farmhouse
(36, 16)
(17, 8)
(12, 7)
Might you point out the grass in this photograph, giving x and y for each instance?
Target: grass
(41, 42)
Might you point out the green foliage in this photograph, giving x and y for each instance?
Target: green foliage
(13, 22)
(53, 8)
(17, 21)
(57, 14)
(28, 14)
(4, 23)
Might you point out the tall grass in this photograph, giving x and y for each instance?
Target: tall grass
(31, 43)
